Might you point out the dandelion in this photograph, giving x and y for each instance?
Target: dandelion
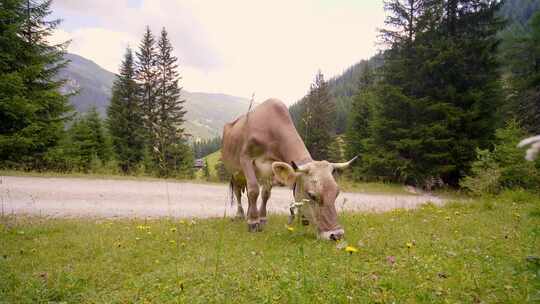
(172, 242)
(291, 229)
(351, 249)
(447, 218)
(137, 239)
(409, 245)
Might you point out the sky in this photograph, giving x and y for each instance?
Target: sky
(237, 47)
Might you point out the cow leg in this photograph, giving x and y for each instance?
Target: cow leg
(266, 191)
(238, 194)
(252, 193)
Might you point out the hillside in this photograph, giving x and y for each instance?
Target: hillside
(206, 112)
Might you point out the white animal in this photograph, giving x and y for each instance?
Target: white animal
(534, 149)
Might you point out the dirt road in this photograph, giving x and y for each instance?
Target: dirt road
(76, 197)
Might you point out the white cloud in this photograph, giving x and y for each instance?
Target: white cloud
(102, 46)
(273, 48)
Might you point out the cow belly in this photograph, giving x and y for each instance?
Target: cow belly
(263, 170)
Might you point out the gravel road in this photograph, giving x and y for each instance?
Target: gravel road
(81, 197)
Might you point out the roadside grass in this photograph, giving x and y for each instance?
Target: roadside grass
(81, 175)
(372, 187)
(482, 251)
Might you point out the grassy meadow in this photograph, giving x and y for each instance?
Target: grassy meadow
(480, 251)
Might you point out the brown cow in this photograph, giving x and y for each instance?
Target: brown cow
(264, 144)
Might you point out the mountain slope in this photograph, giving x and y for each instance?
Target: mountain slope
(206, 112)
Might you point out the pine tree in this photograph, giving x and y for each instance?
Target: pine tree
(99, 134)
(206, 170)
(522, 57)
(125, 121)
(146, 74)
(170, 109)
(88, 143)
(318, 118)
(438, 96)
(32, 111)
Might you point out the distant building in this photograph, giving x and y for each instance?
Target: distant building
(199, 163)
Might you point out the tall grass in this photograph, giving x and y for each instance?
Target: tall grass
(483, 251)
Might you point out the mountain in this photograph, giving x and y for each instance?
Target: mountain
(206, 112)
(342, 89)
(91, 81)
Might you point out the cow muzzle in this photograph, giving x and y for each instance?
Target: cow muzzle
(334, 235)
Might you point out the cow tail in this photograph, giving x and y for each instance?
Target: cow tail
(231, 192)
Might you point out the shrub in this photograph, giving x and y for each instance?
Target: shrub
(504, 167)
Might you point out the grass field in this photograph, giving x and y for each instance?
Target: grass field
(484, 251)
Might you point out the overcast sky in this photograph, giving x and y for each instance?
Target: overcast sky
(272, 48)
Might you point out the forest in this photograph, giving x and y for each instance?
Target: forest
(444, 104)
(455, 86)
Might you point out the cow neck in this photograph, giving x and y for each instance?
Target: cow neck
(294, 150)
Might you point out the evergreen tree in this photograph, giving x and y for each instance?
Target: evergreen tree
(522, 57)
(125, 121)
(318, 118)
(439, 92)
(99, 135)
(202, 148)
(32, 111)
(206, 170)
(88, 143)
(146, 74)
(170, 145)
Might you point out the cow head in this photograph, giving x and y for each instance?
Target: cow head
(315, 182)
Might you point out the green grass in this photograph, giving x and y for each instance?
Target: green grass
(212, 160)
(463, 253)
(382, 188)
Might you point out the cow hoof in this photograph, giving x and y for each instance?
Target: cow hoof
(255, 227)
(263, 221)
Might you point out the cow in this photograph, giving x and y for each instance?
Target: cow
(263, 145)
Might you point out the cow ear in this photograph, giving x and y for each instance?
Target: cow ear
(284, 173)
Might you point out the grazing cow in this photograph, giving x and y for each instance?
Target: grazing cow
(264, 144)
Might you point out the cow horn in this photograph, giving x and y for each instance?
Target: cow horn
(303, 168)
(340, 166)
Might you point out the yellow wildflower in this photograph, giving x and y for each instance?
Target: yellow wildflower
(291, 229)
(409, 245)
(182, 222)
(172, 242)
(351, 249)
